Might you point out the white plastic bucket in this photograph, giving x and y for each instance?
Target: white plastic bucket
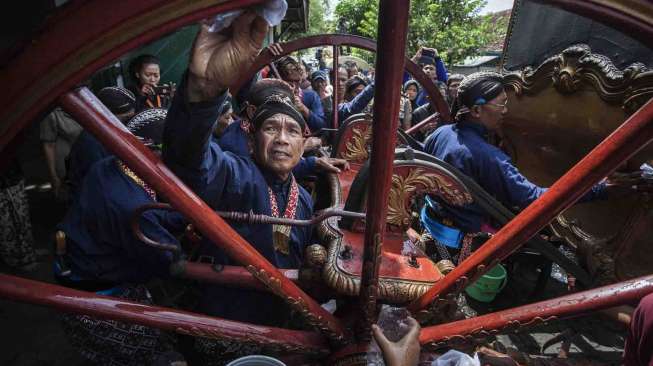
(256, 360)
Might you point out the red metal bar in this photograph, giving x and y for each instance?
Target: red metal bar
(179, 321)
(231, 276)
(336, 84)
(95, 118)
(393, 26)
(415, 70)
(624, 142)
(68, 51)
(580, 303)
(423, 123)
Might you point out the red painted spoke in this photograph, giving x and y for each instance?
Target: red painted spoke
(389, 67)
(95, 118)
(580, 303)
(336, 84)
(182, 322)
(624, 142)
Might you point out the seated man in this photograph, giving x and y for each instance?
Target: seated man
(307, 101)
(464, 145)
(104, 256)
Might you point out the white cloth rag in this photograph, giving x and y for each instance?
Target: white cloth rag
(272, 11)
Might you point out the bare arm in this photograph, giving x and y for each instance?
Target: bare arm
(50, 151)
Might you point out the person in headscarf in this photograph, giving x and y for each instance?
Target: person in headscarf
(480, 108)
(103, 255)
(411, 89)
(87, 149)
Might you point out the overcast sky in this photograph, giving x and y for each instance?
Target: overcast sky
(496, 5)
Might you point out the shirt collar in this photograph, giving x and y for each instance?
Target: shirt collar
(476, 127)
(274, 182)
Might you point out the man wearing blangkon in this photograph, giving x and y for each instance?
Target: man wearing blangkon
(481, 105)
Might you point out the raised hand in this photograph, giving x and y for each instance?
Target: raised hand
(217, 59)
(331, 165)
(405, 352)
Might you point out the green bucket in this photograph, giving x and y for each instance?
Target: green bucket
(487, 287)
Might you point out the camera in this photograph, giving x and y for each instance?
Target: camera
(429, 52)
(165, 89)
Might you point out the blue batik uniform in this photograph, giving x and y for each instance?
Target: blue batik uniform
(86, 151)
(316, 119)
(100, 245)
(356, 105)
(464, 145)
(229, 182)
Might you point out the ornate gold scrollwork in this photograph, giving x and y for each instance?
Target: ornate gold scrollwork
(404, 187)
(577, 65)
(358, 145)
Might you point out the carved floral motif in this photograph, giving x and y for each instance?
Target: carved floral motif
(418, 180)
(577, 66)
(358, 144)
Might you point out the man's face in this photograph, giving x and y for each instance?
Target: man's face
(292, 73)
(491, 113)
(429, 70)
(279, 144)
(342, 79)
(452, 89)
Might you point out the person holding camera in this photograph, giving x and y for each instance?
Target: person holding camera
(433, 67)
(145, 71)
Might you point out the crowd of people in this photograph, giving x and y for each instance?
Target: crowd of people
(248, 153)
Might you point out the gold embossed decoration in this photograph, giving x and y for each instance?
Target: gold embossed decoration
(404, 187)
(358, 144)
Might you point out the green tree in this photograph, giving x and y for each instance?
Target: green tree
(454, 27)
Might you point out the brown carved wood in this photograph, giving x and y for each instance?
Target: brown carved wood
(558, 111)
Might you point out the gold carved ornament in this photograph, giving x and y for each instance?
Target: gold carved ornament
(404, 187)
(357, 145)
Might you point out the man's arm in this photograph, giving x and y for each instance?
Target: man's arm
(316, 119)
(357, 105)
(441, 70)
(48, 136)
(216, 59)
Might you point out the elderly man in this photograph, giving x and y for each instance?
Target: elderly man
(483, 104)
(306, 101)
(262, 183)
